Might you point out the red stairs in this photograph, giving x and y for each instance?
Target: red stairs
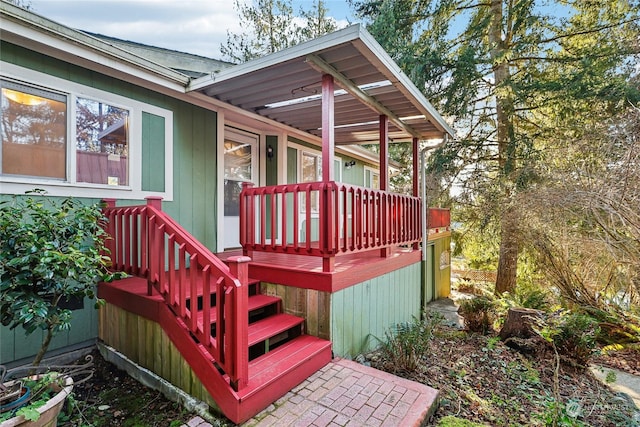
(245, 351)
(281, 355)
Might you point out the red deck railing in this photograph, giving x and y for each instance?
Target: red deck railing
(148, 243)
(326, 219)
(439, 217)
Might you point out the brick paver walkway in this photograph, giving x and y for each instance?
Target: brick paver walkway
(345, 393)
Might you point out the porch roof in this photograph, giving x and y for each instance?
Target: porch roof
(286, 87)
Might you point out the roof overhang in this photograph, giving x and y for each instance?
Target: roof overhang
(286, 87)
(35, 32)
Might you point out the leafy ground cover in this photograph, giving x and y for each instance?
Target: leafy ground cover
(484, 381)
(481, 380)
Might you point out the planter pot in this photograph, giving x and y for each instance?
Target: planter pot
(48, 412)
(17, 398)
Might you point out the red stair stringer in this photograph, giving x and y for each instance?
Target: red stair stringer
(200, 362)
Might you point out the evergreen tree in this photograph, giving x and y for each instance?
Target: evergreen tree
(271, 26)
(316, 22)
(516, 77)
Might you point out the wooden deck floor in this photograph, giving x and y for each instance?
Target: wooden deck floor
(306, 271)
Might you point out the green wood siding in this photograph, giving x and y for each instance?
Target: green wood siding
(194, 174)
(194, 139)
(429, 285)
(153, 152)
(271, 175)
(16, 345)
(292, 165)
(362, 313)
(292, 178)
(272, 164)
(355, 174)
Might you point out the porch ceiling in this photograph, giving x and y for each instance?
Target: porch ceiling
(286, 87)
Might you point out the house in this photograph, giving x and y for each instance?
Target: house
(260, 236)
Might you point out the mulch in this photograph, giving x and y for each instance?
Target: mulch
(113, 398)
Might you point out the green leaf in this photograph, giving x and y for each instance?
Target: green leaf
(29, 413)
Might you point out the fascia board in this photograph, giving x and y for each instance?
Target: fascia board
(299, 51)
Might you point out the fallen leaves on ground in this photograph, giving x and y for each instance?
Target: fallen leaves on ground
(482, 380)
(113, 398)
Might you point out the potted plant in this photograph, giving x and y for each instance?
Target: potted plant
(51, 251)
(40, 402)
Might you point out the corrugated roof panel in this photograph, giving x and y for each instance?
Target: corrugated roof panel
(288, 76)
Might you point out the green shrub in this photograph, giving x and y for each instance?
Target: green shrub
(51, 250)
(577, 337)
(572, 334)
(534, 298)
(406, 343)
(478, 314)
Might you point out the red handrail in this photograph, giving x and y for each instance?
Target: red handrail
(326, 218)
(146, 242)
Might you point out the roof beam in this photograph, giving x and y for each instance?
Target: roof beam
(323, 67)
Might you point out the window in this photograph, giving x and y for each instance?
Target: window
(34, 136)
(102, 143)
(238, 158)
(76, 140)
(371, 178)
(311, 171)
(34, 132)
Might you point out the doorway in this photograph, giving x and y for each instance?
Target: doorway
(240, 166)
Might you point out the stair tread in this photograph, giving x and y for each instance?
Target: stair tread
(287, 357)
(199, 293)
(271, 326)
(255, 302)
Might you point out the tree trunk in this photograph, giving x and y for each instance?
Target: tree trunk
(44, 347)
(509, 249)
(519, 323)
(517, 331)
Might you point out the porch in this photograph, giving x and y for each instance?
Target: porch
(306, 272)
(324, 266)
(329, 235)
(250, 328)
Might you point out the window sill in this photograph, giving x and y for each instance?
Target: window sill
(66, 189)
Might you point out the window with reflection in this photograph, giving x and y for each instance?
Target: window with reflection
(237, 169)
(35, 128)
(34, 132)
(311, 172)
(102, 143)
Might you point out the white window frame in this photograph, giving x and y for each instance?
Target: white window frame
(302, 149)
(372, 172)
(300, 152)
(68, 187)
